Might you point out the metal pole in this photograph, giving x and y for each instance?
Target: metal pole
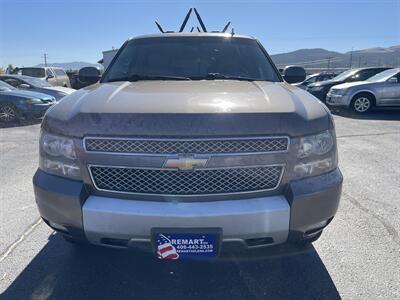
(45, 59)
(351, 57)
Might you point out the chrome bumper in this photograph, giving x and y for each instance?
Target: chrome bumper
(112, 218)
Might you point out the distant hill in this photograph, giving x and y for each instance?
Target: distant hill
(319, 58)
(308, 58)
(76, 65)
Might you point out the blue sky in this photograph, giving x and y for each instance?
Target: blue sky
(72, 30)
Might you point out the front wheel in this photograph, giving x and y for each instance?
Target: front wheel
(362, 104)
(8, 113)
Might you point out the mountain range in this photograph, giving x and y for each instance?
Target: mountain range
(308, 58)
(321, 58)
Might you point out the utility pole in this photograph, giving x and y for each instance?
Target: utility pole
(351, 57)
(45, 59)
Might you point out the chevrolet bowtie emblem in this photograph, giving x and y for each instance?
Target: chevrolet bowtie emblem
(185, 163)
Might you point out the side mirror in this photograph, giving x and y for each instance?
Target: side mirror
(89, 75)
(24, 86)
(49, 76)
(393, 80)
(294, 74)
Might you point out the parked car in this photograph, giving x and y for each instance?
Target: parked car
(54, 76)
(316, 77)
(189, 143)
(381, 90)
(321, 89)
(15, 104)
(36, 85)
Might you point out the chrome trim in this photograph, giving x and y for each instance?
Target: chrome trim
(189, 140)
(174, 170)
(109, 217)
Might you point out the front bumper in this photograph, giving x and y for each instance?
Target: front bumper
(67, 207)
(320, 94)
(34, 110)
(337, 100)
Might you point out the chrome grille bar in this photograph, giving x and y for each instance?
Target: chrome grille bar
(177, 146)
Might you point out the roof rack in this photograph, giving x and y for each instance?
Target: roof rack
(202, 26)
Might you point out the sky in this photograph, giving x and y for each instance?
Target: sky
(72, 30)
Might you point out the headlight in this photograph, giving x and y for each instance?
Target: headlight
(316, 88)
(57, 156)
(316, 155)
(60, 95)
(315, 144)
(33, 101)
(340, 92)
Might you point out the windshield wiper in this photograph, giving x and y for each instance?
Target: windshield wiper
(213, 76)
(140, 77)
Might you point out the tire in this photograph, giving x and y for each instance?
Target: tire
(362, 103)
(8, 113)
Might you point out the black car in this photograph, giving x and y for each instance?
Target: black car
(321, 89)
(317, 77)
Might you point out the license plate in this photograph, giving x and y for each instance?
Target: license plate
(184, 244)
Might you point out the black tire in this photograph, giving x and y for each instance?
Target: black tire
(8, 113)
(362, 103)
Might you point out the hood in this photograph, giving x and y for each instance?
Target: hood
(188, 108)
(351, 84)
(27, 94)
(325, 83)
(60, 89)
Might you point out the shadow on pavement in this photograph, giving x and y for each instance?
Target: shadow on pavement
(377, 114)
(20, 123)
(63, 271)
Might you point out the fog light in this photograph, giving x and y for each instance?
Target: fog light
(315, 228)
(57, 226)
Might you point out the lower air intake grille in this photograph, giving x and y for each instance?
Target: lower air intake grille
(175, 182)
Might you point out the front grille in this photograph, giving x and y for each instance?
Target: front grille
(175, 182)
(199, 146)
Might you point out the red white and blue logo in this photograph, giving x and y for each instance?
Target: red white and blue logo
(165, 250)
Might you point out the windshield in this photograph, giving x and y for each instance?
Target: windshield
(344, 75)
(5, 87)
(34, 72)
(383, 76)
(195, 58)
(36, 82)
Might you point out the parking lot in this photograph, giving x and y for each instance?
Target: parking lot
(357, 257)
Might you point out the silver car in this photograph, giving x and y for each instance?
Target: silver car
(54, 76)
(381, 90)
(33, 84)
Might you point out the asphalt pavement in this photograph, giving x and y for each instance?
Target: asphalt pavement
(357, 257)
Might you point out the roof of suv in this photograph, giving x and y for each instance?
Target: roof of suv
(192, 34)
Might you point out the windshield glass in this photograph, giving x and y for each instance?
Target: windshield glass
(383, 76)
(177, 58)
(34, 72)
(36, 82)
(5, 87)
(344, 75)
